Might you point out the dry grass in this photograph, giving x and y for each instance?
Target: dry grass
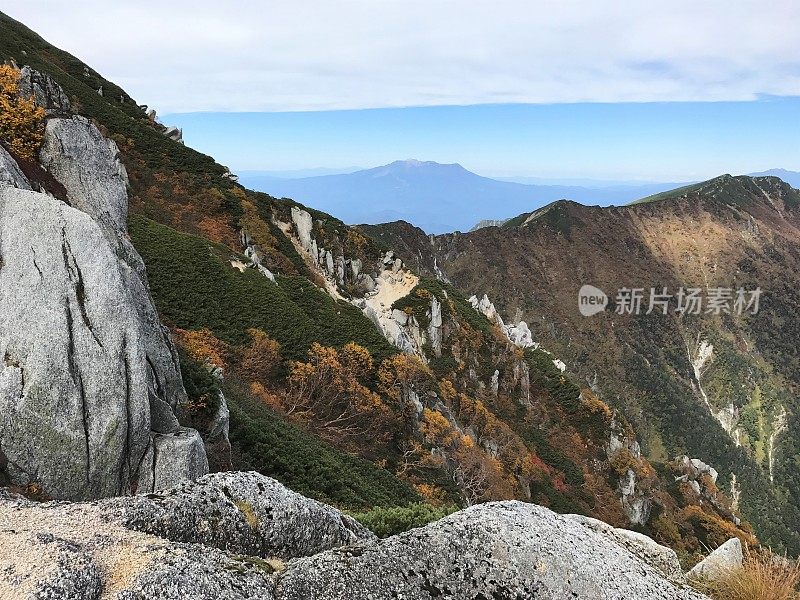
(248, 512)
(763, 576)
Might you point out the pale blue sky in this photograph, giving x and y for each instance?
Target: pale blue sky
(615, 88)
(672, 141)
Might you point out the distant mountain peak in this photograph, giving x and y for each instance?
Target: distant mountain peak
(774, 172)
(438, 197)
(413, 162)
(790, 177)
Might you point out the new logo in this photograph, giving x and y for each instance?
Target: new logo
(591, 300)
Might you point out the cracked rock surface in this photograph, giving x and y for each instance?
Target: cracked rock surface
(65, 551)
(246, 513)
(89, 378)
(77, 373)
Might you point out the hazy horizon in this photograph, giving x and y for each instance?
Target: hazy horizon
(670, 141)
(586, 91)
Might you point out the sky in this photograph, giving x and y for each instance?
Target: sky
(644, 90)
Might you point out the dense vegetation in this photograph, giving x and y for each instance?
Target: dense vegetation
(263, 441)
(730, 232)
(195, 287)
(385, 522)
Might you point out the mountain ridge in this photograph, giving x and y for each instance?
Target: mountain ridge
(264, 297)
(430, 194)
(730, 232)
(442, 198)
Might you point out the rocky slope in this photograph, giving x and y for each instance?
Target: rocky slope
(532, 431)
(720, 387)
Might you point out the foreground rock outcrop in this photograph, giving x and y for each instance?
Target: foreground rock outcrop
(251, 514)
(661, 558)
(194, 541)
(89, 379)
(728, 557)
(72, 552)
(496, 550)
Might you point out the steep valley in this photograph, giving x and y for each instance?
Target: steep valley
(718, 386)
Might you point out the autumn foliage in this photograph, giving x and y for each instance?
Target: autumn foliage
(21, 121)
(260, 358)
(477, 475)
(401, 375)
(203, 346)
(328, 393)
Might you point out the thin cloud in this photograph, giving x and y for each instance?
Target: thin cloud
(293, 56)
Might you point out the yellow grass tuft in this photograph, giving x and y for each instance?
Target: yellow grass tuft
(249, 514)
(763, 576)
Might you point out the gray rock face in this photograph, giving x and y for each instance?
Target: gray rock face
(635, 502)
(435, 327)
(172, 457)
(45, 91)
(70, 573)
(174, 134)
(246, 513)
(89, 379)
(76, 377)
(499, 550)
(218, 444)
(123, 548)
(657, 556)
(518, 334)
(79, 157)
(721, 561)
(188, 572)
(10, 173)
(694, 468)
(71, 551)
(304, 224)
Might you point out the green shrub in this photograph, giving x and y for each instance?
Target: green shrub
(201, 387)
(385, 522)
(552, 456)
(195, 287)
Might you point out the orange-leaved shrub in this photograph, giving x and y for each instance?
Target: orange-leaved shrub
(21, 121)
(328, 393)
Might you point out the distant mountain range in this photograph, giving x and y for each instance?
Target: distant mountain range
(441, 198)
(580, 182)
(790, 177)
(438, 198)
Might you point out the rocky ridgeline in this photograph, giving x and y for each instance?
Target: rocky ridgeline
(89, 379)
(377, 288)
(336, 269)
(243, 535)
(90, 385)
